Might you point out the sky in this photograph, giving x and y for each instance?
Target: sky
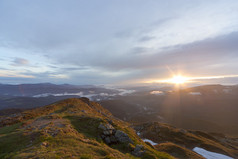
(118, 41)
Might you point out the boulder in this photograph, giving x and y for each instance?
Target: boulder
(111, 135)
(139, 147)
(107, 132)
(113, 139)
(106, 127)
(107, 140)
(122, 137)
(138, 151)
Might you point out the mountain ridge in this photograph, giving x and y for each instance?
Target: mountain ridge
(80, 128)
(70, 129)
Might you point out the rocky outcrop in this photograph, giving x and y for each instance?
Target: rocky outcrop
(111, 135)
(122, 137)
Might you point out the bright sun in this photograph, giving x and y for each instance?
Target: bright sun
(178, 80)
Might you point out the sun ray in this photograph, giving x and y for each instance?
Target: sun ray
(180, 79)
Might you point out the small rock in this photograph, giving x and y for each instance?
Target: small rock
(106, 127)
(182, 131)
(45, 144)
(110, 121)
(109, 127)
(101, 126)
(107, 132)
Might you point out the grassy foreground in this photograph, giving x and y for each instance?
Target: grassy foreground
(67, 129)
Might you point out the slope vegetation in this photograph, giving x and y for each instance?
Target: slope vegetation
(72, 128)
(180, 142)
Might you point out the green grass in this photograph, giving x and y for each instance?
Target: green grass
(9, 129)
(12, 143)
(86, 125)
(177, 151)
(123, 147)
(89, 127)
(13, 140)
(86, 156)
(79, 138)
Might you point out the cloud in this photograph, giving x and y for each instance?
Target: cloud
(140, 50)
(209, 51)
(121, 41)
(58, 76)
(9, 73)
(146, 38)
(19, 62)
(211, 56)
(75, 68)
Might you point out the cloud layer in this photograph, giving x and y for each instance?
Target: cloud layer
(101, 42)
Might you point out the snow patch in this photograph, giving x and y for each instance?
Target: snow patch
(209, 154)
(151, 142)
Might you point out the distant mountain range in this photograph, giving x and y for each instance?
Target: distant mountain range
(30, 90)
(210, 108)
(26, 96)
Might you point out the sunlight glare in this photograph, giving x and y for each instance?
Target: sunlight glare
(178, 80)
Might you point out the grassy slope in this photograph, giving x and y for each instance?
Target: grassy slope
(165, 135)
(66, 129)
(178, 151)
